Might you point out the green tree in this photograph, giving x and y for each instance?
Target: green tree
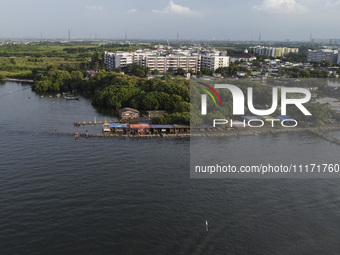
(2, 77)
(155, 72)
(170, 71)
(180, 71)
(150, 102)
(137, 70)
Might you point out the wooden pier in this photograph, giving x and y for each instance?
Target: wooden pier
(321, 132)
(95, 122)
(76, 123)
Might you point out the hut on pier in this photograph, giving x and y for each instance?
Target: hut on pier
(162, 129)
(118, 128)
(140, 128)
(180, 129)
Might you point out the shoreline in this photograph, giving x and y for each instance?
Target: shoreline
(19, 80)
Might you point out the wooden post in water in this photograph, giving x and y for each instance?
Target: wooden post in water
(206, 226)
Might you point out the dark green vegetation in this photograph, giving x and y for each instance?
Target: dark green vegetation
(115, 90)
(296, 72)
(56, 80)
(232, 69)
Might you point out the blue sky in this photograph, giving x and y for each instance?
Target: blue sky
(162, 19)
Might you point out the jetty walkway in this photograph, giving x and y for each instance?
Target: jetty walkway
(320, 132)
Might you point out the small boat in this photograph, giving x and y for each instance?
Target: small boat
(106, 127)
(71, 98)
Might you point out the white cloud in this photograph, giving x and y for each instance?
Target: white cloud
(173, 8)
(281, 6)
(92, 7)
(132, 10)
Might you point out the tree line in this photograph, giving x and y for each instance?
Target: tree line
(115, 90)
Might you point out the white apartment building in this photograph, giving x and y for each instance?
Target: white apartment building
(214, 60)
(140, 56)
(118, 59)
(109, 59)
(323, 55)
(163, 63)
(273, 51)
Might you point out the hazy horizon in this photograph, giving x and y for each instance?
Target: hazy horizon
(275, 20)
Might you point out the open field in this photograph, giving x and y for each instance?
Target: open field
(18, 61)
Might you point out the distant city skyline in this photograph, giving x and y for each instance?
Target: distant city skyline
(245, 20)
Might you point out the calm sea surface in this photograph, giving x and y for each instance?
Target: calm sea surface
(135, 196)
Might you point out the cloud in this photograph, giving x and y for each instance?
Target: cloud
(281, 6)
(173, 8)
(132, 11)
(92, 7)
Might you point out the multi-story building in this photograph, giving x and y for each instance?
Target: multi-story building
(323, 55)
(109, 59)
(139, 56)
(118, 59)
(273, 51)
(245, 56)
(162, 61)
(214, 60)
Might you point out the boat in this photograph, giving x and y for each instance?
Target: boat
(106, 127)
(71, 98)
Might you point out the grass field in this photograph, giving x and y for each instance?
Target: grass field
(20, 60)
